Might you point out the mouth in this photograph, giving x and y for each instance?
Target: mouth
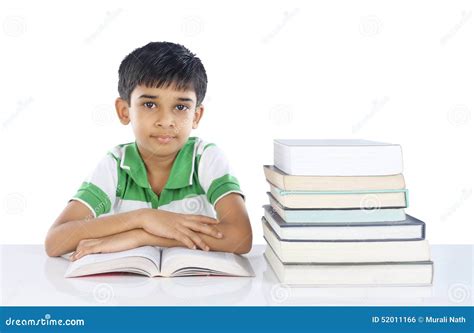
(163, 138)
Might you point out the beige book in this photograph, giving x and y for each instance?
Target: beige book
(332, 183)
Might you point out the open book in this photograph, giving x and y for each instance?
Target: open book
(167, 262)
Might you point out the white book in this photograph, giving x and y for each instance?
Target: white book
(337, 157)
(351, 274)
(304, 251)
(167, 262)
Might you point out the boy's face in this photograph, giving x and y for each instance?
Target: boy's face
(161, 118)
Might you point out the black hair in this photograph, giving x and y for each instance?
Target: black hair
(160, 64)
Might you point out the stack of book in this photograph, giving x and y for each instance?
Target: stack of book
(337, 216)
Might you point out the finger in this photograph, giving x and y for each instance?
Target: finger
(185, 240)
(75, 256)
(187, 233)
(195, 238)
(203, 219)
(85, 251)
(204, 228)
(81, 254)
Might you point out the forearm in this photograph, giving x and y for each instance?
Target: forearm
(65, 237)
(234, 240)
(143, 238)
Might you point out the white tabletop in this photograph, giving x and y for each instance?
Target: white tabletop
(29, 277)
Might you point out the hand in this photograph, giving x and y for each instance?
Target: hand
(113, 243)
(182, 227)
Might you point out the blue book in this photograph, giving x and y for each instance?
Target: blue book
(408, 229)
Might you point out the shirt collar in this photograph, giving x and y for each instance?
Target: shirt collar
(182, 171)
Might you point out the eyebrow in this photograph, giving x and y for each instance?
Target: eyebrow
(182, 99)
(148, 96)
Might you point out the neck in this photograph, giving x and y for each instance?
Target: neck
(154, 163)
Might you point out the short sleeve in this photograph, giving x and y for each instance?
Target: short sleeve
(216, 175)
(98, 190)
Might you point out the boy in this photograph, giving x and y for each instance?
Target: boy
(165, 188)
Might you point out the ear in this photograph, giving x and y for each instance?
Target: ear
(121, 107)
(198, 115)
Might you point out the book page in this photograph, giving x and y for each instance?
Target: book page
(150, 252)
(178, 261)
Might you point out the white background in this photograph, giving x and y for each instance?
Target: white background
(399, 72)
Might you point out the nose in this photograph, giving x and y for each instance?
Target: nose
(165, 119)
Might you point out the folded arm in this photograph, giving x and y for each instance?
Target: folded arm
(233, 224)
(76, 223)
(76, 229)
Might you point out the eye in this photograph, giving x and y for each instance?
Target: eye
(149, 105)
(181, 107)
